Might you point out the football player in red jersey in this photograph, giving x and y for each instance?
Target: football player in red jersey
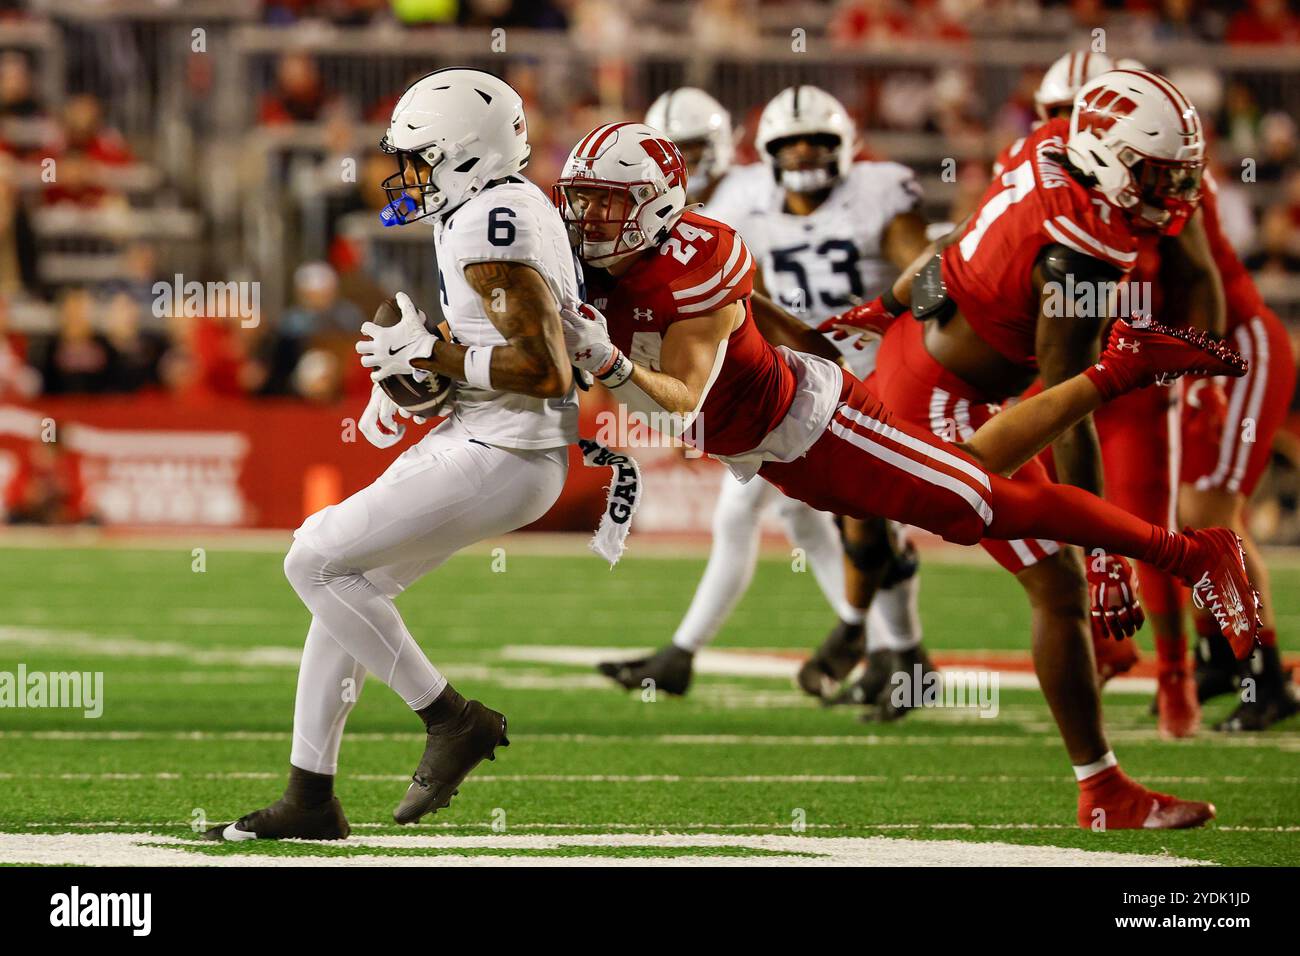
(1227, 441)
(1173, 276)
(1003, 302)
(680, 346)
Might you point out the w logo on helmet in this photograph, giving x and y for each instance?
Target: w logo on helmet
(665, 153)
(1101, 107)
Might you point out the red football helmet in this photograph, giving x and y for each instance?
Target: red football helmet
(622, 189)
(1141, 140)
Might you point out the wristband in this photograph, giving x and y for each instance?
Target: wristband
(478, 366)
(618, 371)
(891, 303)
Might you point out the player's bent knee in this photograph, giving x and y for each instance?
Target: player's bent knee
(303, 567)
(867, 544)
(1057, 584)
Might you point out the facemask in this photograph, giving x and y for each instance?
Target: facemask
(805, 180)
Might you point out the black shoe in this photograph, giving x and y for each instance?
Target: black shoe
(821, 675)
(873, 680)
(1216, 668)
(283, 820)
(1273, 699)
(452, 750)
(884, 707)
(669, 669)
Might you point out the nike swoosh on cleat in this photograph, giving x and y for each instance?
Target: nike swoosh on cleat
(234, 834)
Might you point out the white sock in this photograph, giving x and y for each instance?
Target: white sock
(815, 532)
(1084, 771)
(732, 560)
(365, 623)
(894, 621)
(329, 683)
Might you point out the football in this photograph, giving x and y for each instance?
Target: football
(420, 396)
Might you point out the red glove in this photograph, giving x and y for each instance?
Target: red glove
(870, 316)
(1207, 410)
(1113, 595)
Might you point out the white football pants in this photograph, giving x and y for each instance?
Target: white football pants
(349, 560)
(734, 556)
(892, 621)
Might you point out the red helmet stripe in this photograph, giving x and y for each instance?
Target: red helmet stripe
(1182, 107)
(591, 147)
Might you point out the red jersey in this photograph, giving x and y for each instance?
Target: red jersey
(701, 267)
(1244, 299)
(1031, 204)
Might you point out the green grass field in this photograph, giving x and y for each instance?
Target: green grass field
(199, 675)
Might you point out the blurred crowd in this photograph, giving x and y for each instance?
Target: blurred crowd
(105, 334)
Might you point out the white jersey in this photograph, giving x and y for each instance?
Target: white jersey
(818, 265)
(512, 221)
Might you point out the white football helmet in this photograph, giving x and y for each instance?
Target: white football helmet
(806, 111)
(453, 132)
(689, 115)
(1064, 77)
(1141, 140)
(621, 191)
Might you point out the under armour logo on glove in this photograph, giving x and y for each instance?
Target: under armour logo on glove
(584, 354)
(1115, 611)
(1127, 345)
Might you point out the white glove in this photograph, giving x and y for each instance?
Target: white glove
(587, 342)
(380, 411)
(389, 351)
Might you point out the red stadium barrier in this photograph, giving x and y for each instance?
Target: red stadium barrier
(148, 461)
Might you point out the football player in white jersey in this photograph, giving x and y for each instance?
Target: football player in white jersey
(701, 128)
(826, 232)
(498, 461)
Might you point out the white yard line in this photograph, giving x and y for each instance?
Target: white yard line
(1286, 741)
(142, 849)
(750, 663)
(145, 825)
(849, 778)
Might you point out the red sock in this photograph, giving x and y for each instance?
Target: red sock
(1162, 593)
(1171, 650)
(1023, 509)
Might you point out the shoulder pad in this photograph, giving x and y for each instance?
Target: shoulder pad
(1059, 261)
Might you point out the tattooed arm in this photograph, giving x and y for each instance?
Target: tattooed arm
(519, 303)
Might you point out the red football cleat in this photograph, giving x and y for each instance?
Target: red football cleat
(1111, 801)
(1178, 710)
(1215, 570)
(1113, 657)
(1145, 352)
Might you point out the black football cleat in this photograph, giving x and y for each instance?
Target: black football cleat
(1273, 698)
(453, 748)
(1216, 668)
(283, 820)
(822, 674)
(669, 668)
(873, 679)
(885, 707)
